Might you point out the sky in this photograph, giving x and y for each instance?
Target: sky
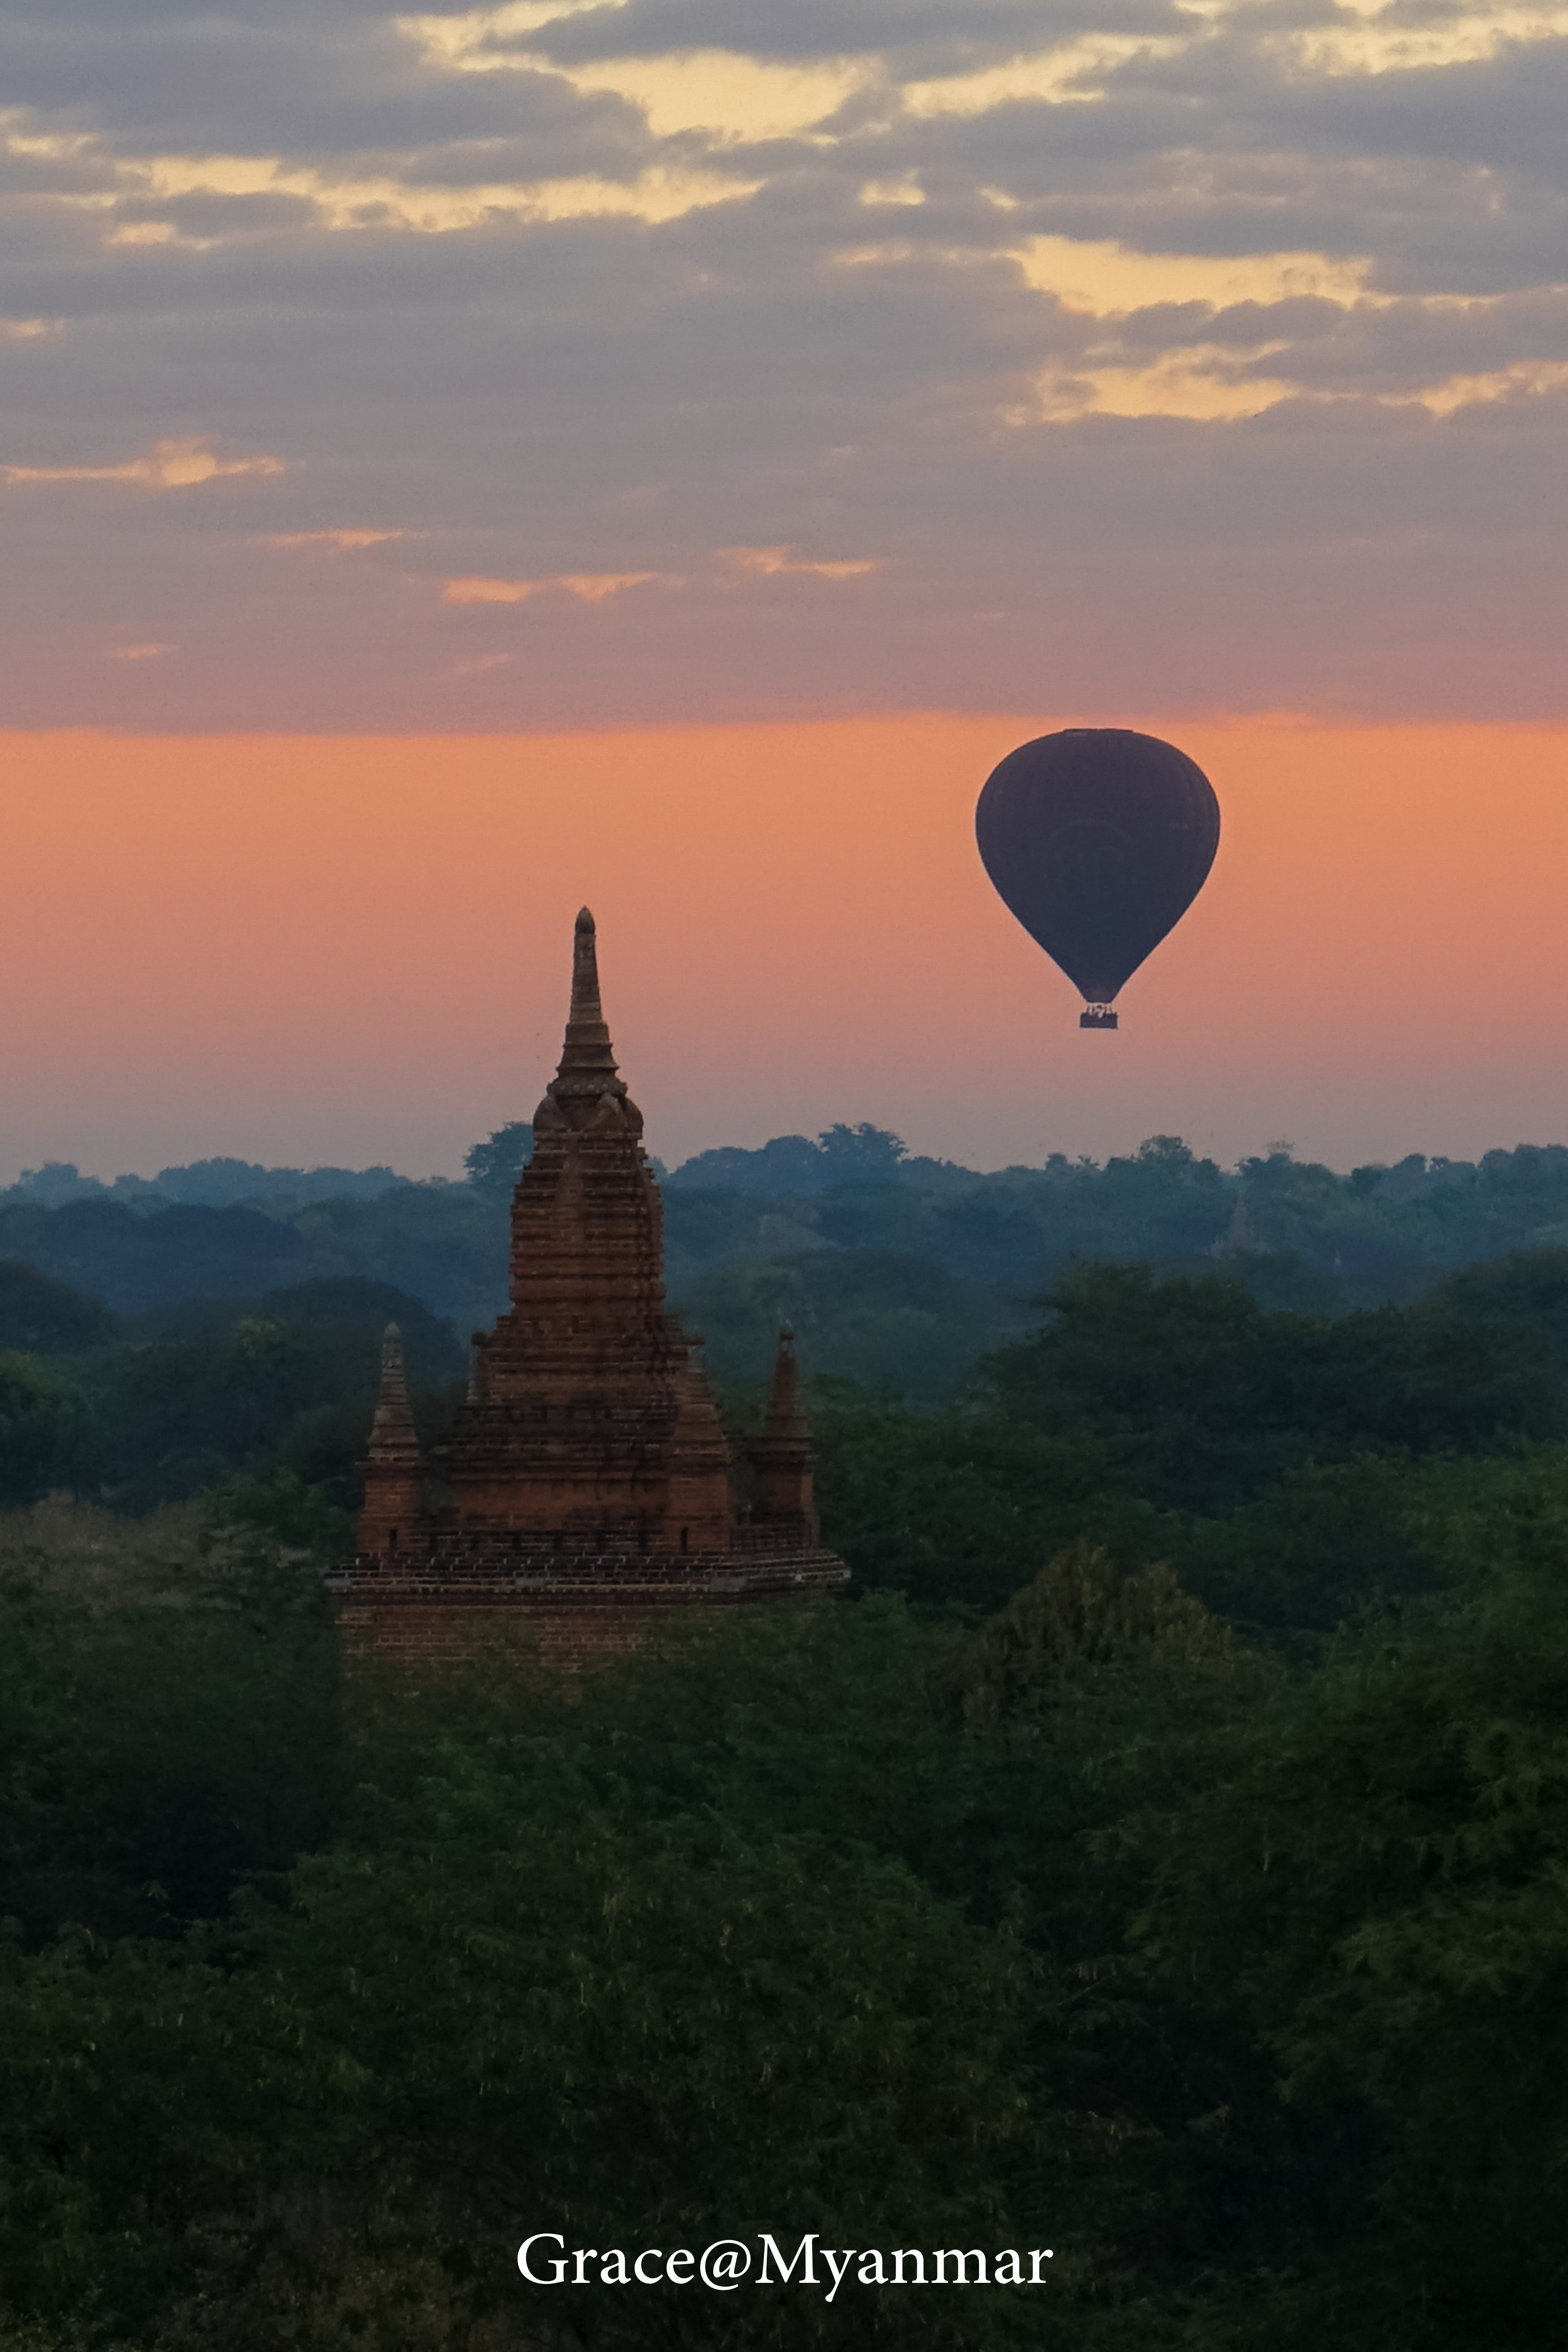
(431, 443)
(358, 950)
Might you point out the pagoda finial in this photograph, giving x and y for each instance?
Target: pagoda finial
(586, 1004)
(587, 1060)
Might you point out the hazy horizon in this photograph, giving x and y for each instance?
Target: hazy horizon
(455, 1173)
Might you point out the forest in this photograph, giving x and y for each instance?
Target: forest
(1162, 1856)
(898, 1271)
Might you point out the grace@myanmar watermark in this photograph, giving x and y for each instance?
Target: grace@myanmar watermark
(729, 2262)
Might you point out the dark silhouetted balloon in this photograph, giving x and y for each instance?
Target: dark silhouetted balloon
(1098, 839)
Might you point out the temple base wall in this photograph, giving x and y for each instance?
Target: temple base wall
(418, 1620)
(432, 1644)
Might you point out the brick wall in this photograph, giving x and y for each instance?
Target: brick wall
(413, 1641)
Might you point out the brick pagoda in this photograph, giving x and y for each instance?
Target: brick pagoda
(587, 1483)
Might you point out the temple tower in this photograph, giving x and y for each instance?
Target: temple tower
(588, 1479)
(591, 1418)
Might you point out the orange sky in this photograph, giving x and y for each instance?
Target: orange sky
(302, 948)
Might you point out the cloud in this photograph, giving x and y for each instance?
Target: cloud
(1107, 279)
(594, 587)
(480, 40)
(1202, 381)
(1522, 379)
(179, 465)
(1389, 39)
(904, 191)
(138, 652)
(1212, 350)
(1071, 74)
(588, 587)
(341, 541)
(734, 98)
(150, 233)
(383, 201)
(765, 562)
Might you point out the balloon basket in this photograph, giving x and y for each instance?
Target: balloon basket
(1099, 1016)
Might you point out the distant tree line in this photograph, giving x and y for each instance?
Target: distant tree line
(222, 1183)
(896, 1271)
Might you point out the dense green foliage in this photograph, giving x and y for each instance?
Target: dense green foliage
(41, 1317)
(1203, 1398)
(1374, 1876)
(874, 1317)
(40, 1420)
(145, 1411)
(1271, 1456)
(1237, 1983)
(1164, 1858)
(156, 1753)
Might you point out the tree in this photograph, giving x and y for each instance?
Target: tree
(863, 1154)
(1374, 1876)
(40, 1416)
(40, 1316)
(495, 1165)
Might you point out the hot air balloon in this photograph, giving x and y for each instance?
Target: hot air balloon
(1098, 839)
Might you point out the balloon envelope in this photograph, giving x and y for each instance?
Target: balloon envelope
(1098, 839)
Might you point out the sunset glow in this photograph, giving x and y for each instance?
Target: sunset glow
(298, 949)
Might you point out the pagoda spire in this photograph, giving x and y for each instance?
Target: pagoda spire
(782, 1456)
(393, 1515)
(587, 1058)
(786, 1421)
(393, 1436)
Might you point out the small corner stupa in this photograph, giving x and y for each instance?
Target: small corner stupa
(587, 1483)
